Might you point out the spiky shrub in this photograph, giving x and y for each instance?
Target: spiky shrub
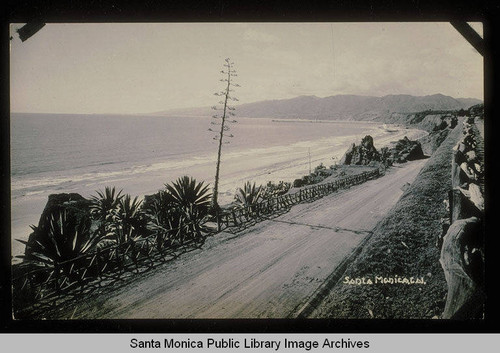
(104, 209)
(188, 202)
(249, 195)
(162, 218)
(128, 221)
(63, 239)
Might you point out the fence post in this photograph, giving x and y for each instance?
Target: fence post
(234, 218)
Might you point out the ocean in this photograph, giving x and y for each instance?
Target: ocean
(56, 153)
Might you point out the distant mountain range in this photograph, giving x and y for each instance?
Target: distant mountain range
(340, 107)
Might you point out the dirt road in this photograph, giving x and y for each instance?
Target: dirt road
(270, 270)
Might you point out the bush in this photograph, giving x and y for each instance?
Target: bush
(177, 214)
(60, 239)
(249, 195)
(273, 190)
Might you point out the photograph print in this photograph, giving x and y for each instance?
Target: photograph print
(247, 170)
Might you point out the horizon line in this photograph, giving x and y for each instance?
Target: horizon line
(265, 100)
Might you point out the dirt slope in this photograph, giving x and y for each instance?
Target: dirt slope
(404, 245)
(270, 270)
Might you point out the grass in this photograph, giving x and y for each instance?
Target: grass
(402, 244)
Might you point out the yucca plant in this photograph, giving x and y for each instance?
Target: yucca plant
(187, 193)
(104, 208)
(62, 240)
(128, 219)
(160, 218)
(249, 195)
(190, 201)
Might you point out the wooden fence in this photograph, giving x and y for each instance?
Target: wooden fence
(238, 218)
(40, 290)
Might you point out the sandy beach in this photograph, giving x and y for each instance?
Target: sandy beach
(257, 164)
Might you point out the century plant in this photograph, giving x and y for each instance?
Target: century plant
(104, 208)
(190, 201)
(62, 239)
(222, 118)
(162, 218)
(128, 219)
(249, 195)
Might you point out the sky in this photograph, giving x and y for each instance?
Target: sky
(128, 68)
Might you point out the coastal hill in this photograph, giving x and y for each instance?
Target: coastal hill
(339, 107)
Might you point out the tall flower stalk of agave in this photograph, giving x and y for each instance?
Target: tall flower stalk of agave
(222, 118)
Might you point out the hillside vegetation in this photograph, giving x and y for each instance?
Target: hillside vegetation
(404, 245)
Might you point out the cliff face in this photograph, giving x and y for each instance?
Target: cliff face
(429, 121)
(437, 123)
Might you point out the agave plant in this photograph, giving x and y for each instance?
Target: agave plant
(187, 194)
(249, 195)
(104, 208)
(128, 219)
(160, 218)
(190, 203)
(61, 240)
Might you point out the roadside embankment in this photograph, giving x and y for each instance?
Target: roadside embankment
(402, 250)
(462, 252)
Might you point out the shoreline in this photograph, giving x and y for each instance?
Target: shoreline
(259, 165)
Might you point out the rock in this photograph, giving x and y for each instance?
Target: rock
(462, 148)
(469, 172)
(363, 154)
(476, 196)
(464, 280)
(459, 157)
(347, 157)
(461, 206)
(75, 205)
(406, 150)
(458, 177)
(366, 154)
(77, 210)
